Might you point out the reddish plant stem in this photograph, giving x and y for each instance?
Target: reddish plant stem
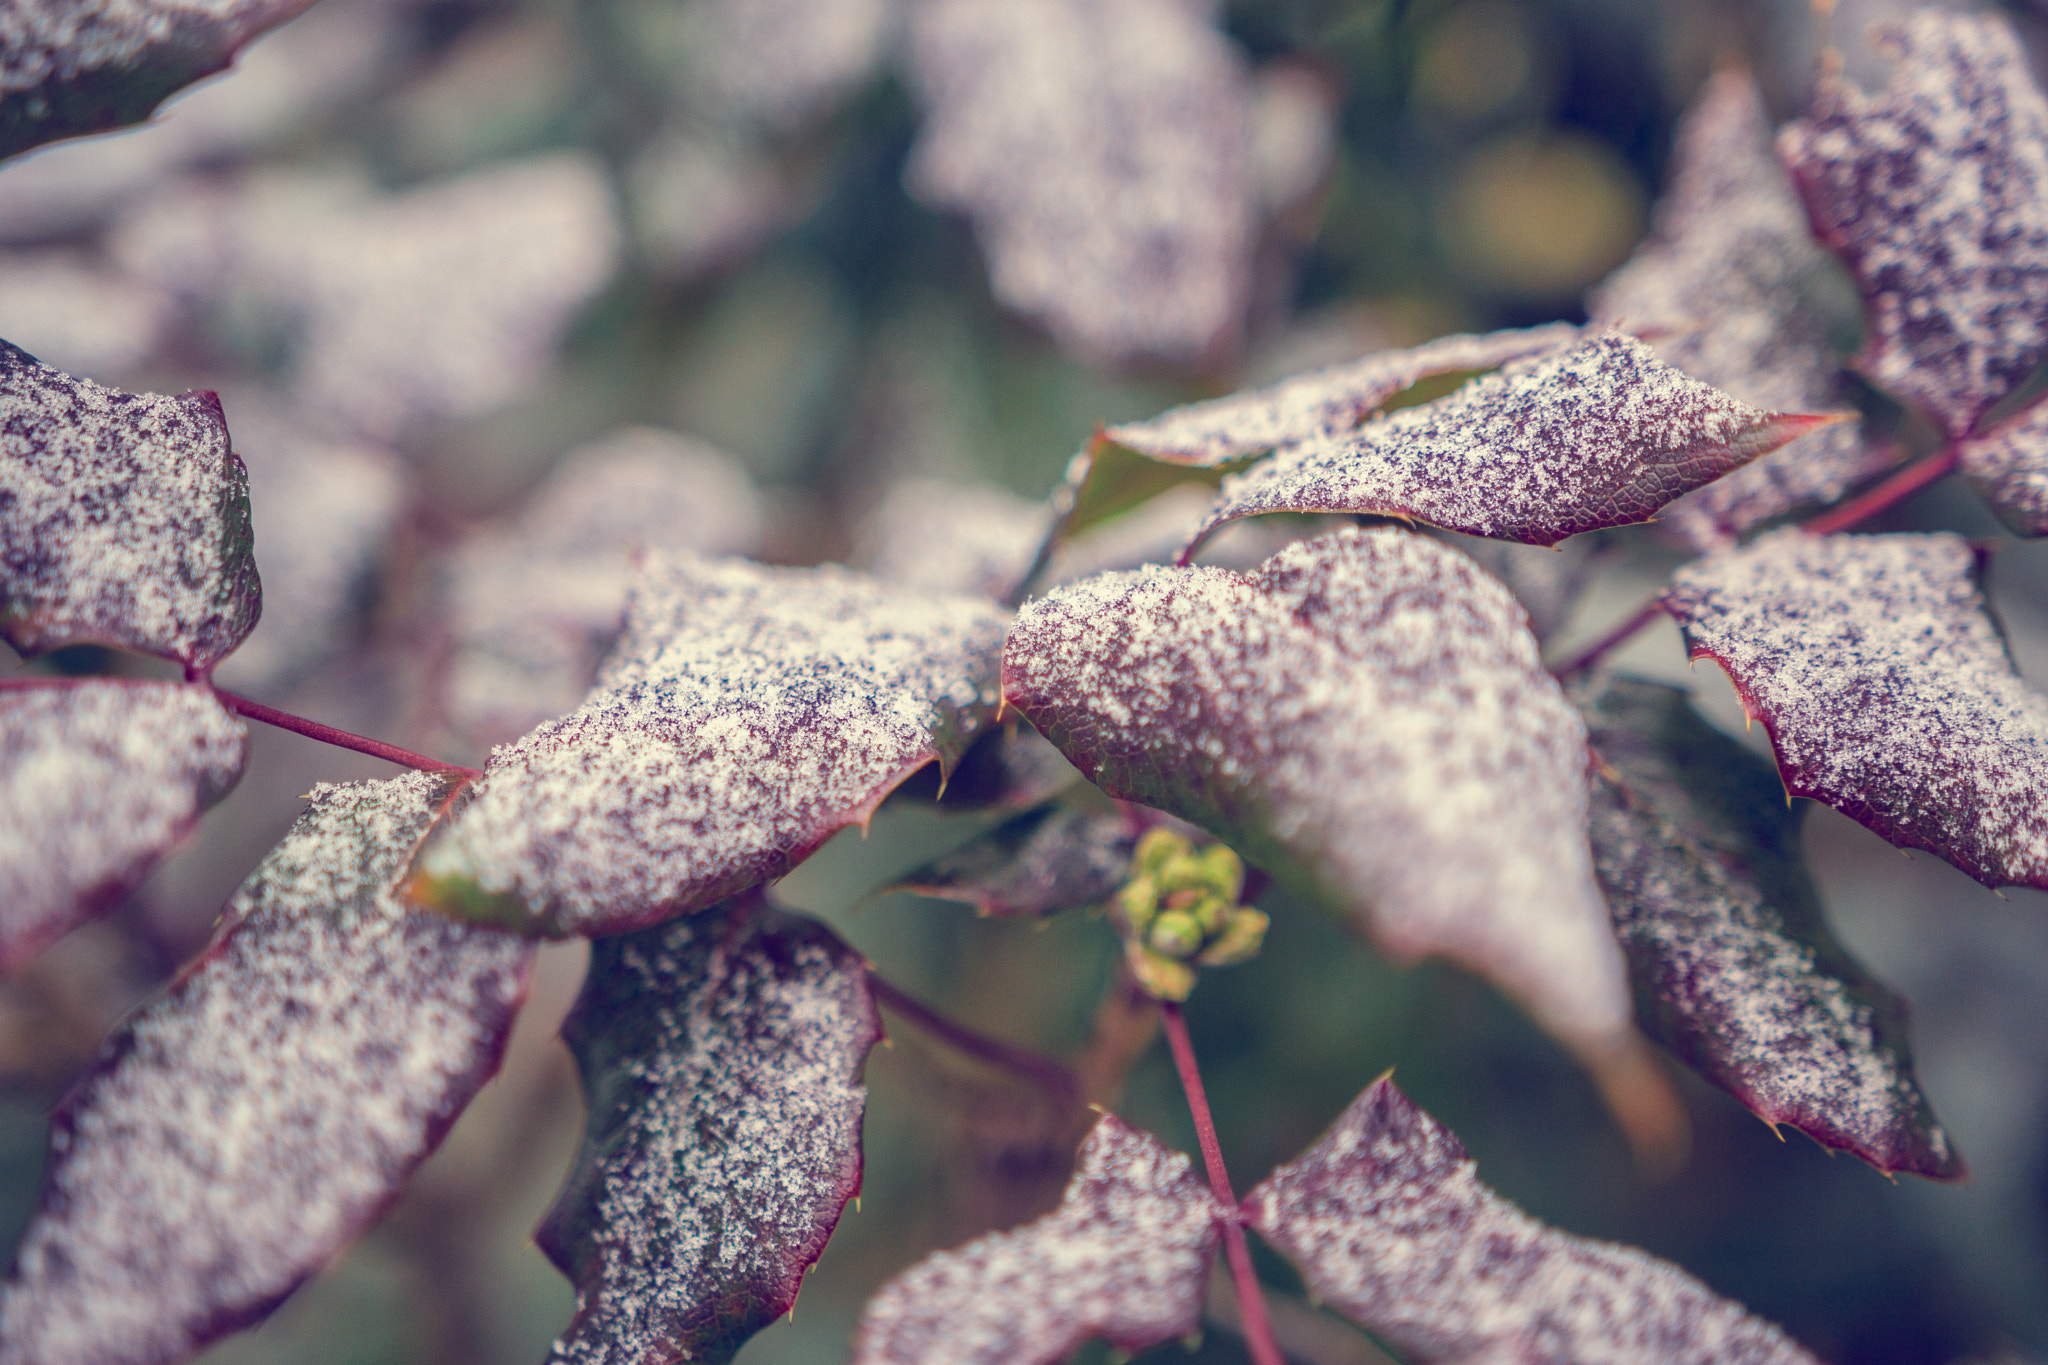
(1611, 641)
(1040, 1070)
(251, 709)
(1251, 1299)
(1886, 495)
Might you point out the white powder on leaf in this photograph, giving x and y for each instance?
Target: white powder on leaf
(245, 1125)
(947, 537)
(1388, 1223)
(1124, 1258)
(2008, 467)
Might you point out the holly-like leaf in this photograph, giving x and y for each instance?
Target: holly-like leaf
(124, 519)
(1729, 279)
(2008, 466)
(1935, 194)
(1367, 718)
(747, 715)
(1885, 688)
(1040, 863)
(1602, 435)
(1101, 150)
(1387, 1221)
(69, 67)
(721, 1058)
(1323, 402)
(1734, 967)
(255, 1118)
(97, 779)
(1125, 1258)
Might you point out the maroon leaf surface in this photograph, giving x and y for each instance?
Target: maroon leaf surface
(1387, 1221)
(1885, 687)
(721, 1058)
(2008, 466)
(1602, 435)
(747, 715)
(124, 519)
(1734, 967)
(245, 1125)
(1935, 193)
(1040, 863)
(1125, 1258)
(96, 781)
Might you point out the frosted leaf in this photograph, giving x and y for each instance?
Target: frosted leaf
(1729, 277)
(1101, 148)
(1387, 1221)
(124, 519)
(1322, 402)
(1885, 688)
(1037, 864)
(2008, 466)
(1603, 435)
(1735, 969)
(1124, 1258)
(781, 62)
(81, 66)
(721, 1060)
(946, 537)
(1935, 194)
(747, 715)
(97, 779)
(244, 1126)
(1366, 717)
(80, 317)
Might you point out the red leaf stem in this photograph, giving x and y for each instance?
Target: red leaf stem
(342, 739)
(1042, 1071)
(1892, 491)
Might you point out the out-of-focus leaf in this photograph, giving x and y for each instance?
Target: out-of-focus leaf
(1040, 863)
(747, 715)
(2008, 466)
(1322, 402)
(1547, 581)
(1101, 148)
(80, 317)
(1735, 969)
(781, 62)
(945, 537)
(1885, 687)
(244, 1126)
(1387, 1221)
(124, 519)
(1603, 435)
(1729, 278)
(1124, 1258)
(721, 1058)
(97, 779)
(1935, 193)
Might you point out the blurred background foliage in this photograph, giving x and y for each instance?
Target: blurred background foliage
(657, 232)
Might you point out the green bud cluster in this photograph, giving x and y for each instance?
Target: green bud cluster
(1180, 911)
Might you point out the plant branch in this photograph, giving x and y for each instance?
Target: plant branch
(1251, 1299)
(1040, 1070)
(1613, 639)
(251, 709)
(1888, 494)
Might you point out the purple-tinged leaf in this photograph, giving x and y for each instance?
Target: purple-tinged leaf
(97, 779)
(1602, 435)
(945, 537)
(1729, 278)
(1324, 402)
(124, 519)
(721, 1058)
(1885, 687)
(2008, 466)
(1388, 1223)
(1124, 1258)
(1038, 864)
(255, 1118)
(1935, 194)
(1366, 717)
(747, 715)
(1101, 147)
(1734, 967)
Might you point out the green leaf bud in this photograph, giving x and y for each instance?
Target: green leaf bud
(1163, 978)
(1241, 939)
(1176, 933)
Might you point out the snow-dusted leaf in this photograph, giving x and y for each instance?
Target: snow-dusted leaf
(1602, 435)
(1124, 1258)
(1322, 402)
(1935, 193)
(2008, 466)
(1885, 687)
(1101, 148)
(782, 62)
(1366, 717)
(1729, 279)
(1039, 863)
(252, 1120)
(747, 714)
(69, 67)
(721, 1059)
(96, 780)
(124, 519)
(1735, 969)
(1387, 1221)
(947, 537)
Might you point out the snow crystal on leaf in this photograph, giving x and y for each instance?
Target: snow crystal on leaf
(255, 1118)
(96, 781)
(124, 519)
(1885, 687)
(1125, 1258)
(2008, 467)
(946, 537)
(1387, 1221)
